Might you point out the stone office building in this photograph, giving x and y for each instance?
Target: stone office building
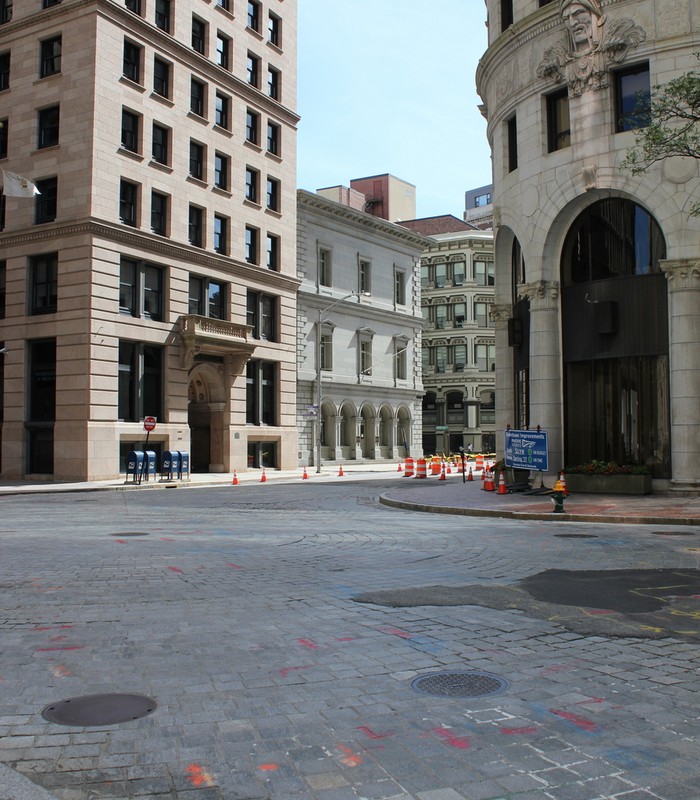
(155, 274)
(597, 271)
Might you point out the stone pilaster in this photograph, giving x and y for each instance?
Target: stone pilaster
(683, 281)
(505, 379)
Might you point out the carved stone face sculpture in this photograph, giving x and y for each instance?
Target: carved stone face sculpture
(582, 19)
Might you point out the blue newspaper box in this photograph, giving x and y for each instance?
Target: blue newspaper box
(134, 465)
(150, 466)
(184, 469)
(170, 466)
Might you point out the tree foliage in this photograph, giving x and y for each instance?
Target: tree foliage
(674, 127)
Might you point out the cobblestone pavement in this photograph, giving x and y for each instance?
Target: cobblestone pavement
(234, 610)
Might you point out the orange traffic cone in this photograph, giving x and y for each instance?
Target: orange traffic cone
(263, 477)
(234, 482)
(400, 469)
(562, 480)
(470, 476)
(442, 474)
(489, 485)
(449, 468)
(502, 484)
(304, 476)
(340, 471)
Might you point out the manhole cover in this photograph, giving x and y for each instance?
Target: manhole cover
(99, 709)
(129, 533)
(575, 536)
(673, 533)
(459, 684)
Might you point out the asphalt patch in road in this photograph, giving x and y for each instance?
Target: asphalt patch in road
(653, 603)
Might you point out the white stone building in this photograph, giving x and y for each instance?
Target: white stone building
(359, 334)
(597, 270)
(156, 272)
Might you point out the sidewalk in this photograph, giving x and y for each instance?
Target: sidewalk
(451, 496)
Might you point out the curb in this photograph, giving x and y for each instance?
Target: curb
(15, 786)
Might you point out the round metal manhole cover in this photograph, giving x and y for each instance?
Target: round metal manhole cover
(575, 536)
(99, 709)
(129, 533)
(459, 684)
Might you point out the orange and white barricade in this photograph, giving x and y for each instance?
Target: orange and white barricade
(421, 468)
(408, 469)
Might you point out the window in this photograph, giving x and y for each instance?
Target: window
(254, 15)
(195, 228)
(484, 273)
(141, 289)
(459, 357)
(140, 381)
(440, 275)
(399, 287)
(459, 314)
(482, 200)
(481, 314)
(326, 354)
(225, 4)
(160, 144)
(196, 160)
(161, 77)
(131, 61)
(207, 298)
(3, 279)
(5, 11)
(221, 234)
(632, 98)
(159, 213)
(49, 3)
(506, 14)
(43, 290)
(252, 127)
(485, 357)
(273, 83)
(41, 408)
(365, 355)
(4, 136)
(221, 171)
(274, 138)
(261, 393)
(425, 276)
(199, 35)
(252, 184)
(400, 359)
(222, 113)
(440, 316)
(4, 71)
(253, 69)
(459, 273)
(558, 125)
(163, 15)
(197, 96)
(274, 30)
(261, 315)
(273, 252)
(251, 244)
(512, 144)
(364, 282)
(128, 202)
(131, 124)
(48, 127)
(50, 57)
(273, 194)
(133, 5)
(223, 51)
(46, 203)
(324, 267)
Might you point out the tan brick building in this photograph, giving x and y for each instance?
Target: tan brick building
(155, 274)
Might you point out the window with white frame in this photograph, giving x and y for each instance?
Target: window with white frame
(324, 267)
(485, 356)
(400, 358)
(484, 273)
(364, 276)
(399, 287)
(365, 352)
(326, 353)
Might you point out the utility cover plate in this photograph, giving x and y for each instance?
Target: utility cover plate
(459, 684)
(99, 709)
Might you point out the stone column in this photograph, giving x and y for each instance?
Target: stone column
(505, 380)
(683, 280)
(546, 395)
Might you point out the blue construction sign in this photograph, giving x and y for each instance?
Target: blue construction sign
(527, 450)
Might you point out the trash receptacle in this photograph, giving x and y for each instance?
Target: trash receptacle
(184, 468)
(170, 466)
(150, 465)
(134, 465)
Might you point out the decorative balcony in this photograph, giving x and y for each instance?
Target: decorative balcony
(214, 337)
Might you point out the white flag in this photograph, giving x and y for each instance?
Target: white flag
(14, 185)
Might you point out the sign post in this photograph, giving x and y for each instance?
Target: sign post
(149, 423)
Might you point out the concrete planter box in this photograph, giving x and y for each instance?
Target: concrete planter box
(608, 484)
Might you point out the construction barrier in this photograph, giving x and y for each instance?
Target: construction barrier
(479, 462)
(435, 466)
(421, 468)
(408, 471)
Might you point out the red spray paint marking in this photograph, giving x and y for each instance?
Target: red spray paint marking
(52, 628)
(372, 735)
(175, 569)
(197, 776)
(397, 632)
(308, 643)
(512, 731)
(166, 539)
(58, 638)
(346, 639)
(351, 759)
(56, 649)
(268, 767)
(449, 738)
(589, 701)
(575, 719)
(120, 541)
(235, 566)
(593, 612)
(61, 671)
(286, 670)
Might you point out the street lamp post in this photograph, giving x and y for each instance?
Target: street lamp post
(319, 323)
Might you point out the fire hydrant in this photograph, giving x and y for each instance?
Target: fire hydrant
(558, 495)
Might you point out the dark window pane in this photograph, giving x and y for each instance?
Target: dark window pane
(51, 57)
(46, 203)
(48, 126)
(44, 284)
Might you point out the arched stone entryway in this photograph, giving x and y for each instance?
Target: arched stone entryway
(207, 418)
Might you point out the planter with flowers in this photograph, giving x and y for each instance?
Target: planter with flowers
(608, 477)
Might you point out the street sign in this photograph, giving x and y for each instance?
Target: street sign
(149, 423)
(441, 428)
(527, 450)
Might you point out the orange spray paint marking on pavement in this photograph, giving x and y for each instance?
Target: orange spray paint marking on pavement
(449, 738)
(268, 767)
(61, 671)
(351, 759)
(54, 649)
(197, 776)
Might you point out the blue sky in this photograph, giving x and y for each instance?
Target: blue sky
(388, 86)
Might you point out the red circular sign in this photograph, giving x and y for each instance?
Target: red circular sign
(149, 423)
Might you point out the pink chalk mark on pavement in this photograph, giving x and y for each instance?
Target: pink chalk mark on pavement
(372, 735)
(175, 569)
(286, 670)
(448, 737)
(309, 644)
(575, 719)
(515, 731)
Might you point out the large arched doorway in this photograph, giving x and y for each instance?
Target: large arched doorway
(615, 338)
(206, 412)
